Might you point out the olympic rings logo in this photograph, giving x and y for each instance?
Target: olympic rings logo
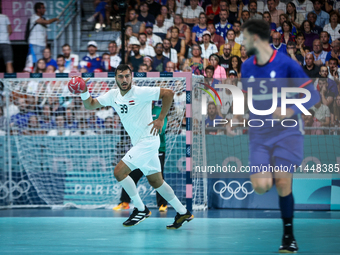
(18, 189)
(233, 192)
(188, 151)
(140, 74)
(188, 97)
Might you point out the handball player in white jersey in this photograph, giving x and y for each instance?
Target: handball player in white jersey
(134, 106)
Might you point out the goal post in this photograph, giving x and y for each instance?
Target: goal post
(58, 154)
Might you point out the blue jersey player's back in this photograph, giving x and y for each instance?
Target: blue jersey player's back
(280, 71)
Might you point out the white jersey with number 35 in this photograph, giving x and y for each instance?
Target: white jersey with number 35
(134, 109)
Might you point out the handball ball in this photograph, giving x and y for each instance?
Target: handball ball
(76, 85)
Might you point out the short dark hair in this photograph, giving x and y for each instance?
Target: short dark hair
(226, 1)
(112, 42)
(252, 1)
(323, 79)
(210, 67)
(143, 65)
(231, 30)
(61, 56)
(212, 103)
(258, 27)
(123, 67)
(37, 6)
(167, 39)
(105, 54)
(300, 35)
(291, 43)
(326, 33)
(139, 34)
(66, 45)
(238, 22)
(334, 59)
(313, 14)
(175, 28)
(202, 13)
(159, 44)
(306, 48)
(180, 16)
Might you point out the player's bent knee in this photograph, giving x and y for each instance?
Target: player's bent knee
(261, 186)
(260, 190)
(155, 180)
(282, 183)
(121, 171)
(283, 186)
(118, 173)
(156, 184)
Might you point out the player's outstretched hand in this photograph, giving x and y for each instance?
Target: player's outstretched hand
(277, 113)
(85, 81)
(157, 126)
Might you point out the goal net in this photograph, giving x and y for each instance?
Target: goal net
(64, 155)
(199, 180)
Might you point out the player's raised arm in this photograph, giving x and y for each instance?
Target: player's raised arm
(167, 96)
(89, 102)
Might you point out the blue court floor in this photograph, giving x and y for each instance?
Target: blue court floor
(44, 231)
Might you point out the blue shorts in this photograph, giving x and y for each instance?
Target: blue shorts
(274, 151)
(101, 8)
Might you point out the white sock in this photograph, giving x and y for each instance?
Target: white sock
(168, 194)
(131, 189)
(179, 207)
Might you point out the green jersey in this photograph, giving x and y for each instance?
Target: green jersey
(155, 113)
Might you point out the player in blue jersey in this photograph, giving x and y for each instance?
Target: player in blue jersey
(273, 144)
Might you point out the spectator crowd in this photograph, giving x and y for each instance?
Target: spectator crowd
(40, 112)
(205, 38)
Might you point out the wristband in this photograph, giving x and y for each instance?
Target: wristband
(84, 96)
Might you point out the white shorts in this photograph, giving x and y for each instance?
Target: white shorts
(144, 155)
